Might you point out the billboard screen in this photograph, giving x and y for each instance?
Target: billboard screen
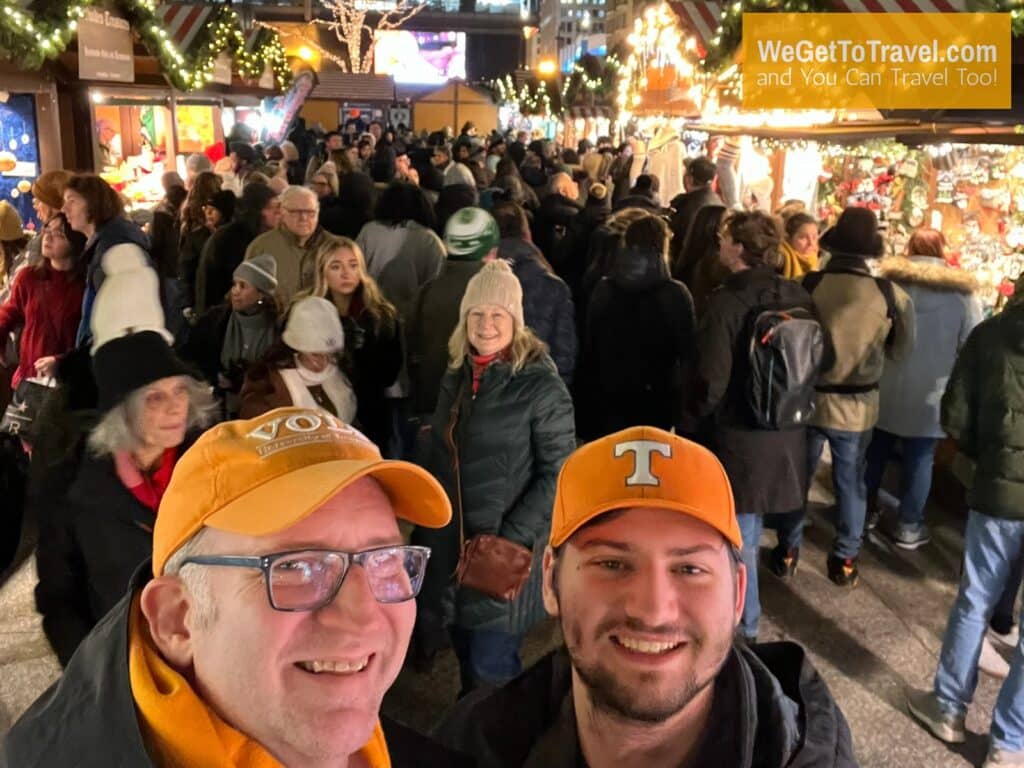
(420, 57)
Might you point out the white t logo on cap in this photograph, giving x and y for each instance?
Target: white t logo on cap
(642, 450)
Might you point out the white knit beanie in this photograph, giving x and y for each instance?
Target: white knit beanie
(494, 284)
(314, 327)
(128, 301)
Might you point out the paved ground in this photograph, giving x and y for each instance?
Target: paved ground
(869, 643)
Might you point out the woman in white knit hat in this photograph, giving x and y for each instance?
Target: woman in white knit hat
(497, 440)
(230, 337)
(96, 533)
(302, 368)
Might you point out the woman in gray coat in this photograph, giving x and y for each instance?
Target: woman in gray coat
(946, 311)
(497, 440)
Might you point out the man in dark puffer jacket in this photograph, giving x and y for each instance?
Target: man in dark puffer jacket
(643, 573)
(547, 302)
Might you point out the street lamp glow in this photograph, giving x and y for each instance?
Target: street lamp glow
(547, 67)
(306, 53)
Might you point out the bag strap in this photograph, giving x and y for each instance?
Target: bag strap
(453, 420)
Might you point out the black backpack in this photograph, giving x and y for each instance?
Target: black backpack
(787, 349)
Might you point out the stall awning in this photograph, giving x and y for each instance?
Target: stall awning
(183, 22)
(354, 87)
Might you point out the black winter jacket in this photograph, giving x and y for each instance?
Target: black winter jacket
(190, 248)
(222, 253)
(497, 454)
(87, 718)
(434, 318)
(552, 227)
(89, 547)
(767, 468)
(771, 710)
(639, 346)
(373, 360)
(685, 206)
(348, 213)
(547, 304)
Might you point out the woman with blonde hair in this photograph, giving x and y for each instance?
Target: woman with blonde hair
(373, 348)
(502, 428)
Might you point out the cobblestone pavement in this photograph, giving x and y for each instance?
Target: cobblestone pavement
(870, 643)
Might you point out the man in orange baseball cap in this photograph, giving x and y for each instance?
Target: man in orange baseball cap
(277, 613)
(644, 574)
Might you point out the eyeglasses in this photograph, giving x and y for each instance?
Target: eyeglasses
(309, 579)
(302, 213)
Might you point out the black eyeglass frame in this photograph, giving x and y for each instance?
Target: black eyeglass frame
(265, 563)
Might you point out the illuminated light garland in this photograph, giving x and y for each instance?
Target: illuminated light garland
(32, 44)
(656, 40)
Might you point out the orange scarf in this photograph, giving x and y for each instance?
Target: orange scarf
(181, 730)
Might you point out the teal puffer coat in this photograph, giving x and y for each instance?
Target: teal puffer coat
(509, 441)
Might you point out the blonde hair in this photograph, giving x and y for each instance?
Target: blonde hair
(381, 310)
(525, 347)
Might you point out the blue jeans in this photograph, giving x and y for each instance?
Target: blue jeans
(916, 477)
(751, 527)
(848, 456)
(486, 657)
(990, 550)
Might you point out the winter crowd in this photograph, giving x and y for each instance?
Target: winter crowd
(506, 382)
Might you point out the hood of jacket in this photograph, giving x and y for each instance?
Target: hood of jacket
(927, 272)
(1012, 321)
(771, 706)
(115, 232)
(636, 270)
(517, 252)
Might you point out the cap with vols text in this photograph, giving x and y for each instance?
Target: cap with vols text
(265, 474)
(643, 467)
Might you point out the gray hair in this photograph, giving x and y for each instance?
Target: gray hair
(195, 578)
(118, 429)
(295, 193)
(197, 163)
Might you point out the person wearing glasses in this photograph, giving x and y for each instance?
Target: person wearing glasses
(294, 243)
(273, 618)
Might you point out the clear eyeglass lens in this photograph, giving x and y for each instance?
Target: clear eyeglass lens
(307, 580)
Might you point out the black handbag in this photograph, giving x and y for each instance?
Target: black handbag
(20, 417)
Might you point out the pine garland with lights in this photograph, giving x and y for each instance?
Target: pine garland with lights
(531, 99)
(33, 40)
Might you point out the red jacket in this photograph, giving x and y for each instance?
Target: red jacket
(47, 305)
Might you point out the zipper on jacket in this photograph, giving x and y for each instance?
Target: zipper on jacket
(456, 466)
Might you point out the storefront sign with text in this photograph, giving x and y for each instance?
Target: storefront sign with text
(105, 47)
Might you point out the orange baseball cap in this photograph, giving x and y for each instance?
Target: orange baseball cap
(263, 475)
(643, 467)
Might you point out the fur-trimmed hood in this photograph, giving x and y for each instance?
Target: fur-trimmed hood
(928, 272)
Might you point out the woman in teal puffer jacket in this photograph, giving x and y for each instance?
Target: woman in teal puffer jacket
(502, 428)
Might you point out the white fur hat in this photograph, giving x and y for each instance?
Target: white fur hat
(314, 327)
(128, 301)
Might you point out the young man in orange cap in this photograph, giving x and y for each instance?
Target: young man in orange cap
(643, 572)
(277, 614)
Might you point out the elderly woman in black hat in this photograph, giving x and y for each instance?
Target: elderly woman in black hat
(150, 409)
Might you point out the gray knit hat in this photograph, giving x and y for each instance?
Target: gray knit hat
(260, 272)
(494, 284)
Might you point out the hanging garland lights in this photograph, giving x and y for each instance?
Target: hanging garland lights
(33, 41)
(657, 47)
(529, 101)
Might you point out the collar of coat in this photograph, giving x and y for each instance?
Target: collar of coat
(928, 272)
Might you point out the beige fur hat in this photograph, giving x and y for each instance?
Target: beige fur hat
(494, 284)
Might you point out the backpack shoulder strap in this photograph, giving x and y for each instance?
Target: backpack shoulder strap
(885, 286)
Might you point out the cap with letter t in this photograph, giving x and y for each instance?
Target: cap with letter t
(643, 467)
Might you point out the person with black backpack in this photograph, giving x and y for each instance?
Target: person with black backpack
(759, 352)
(868, 319)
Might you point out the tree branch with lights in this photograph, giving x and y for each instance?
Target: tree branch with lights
(348, 22)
